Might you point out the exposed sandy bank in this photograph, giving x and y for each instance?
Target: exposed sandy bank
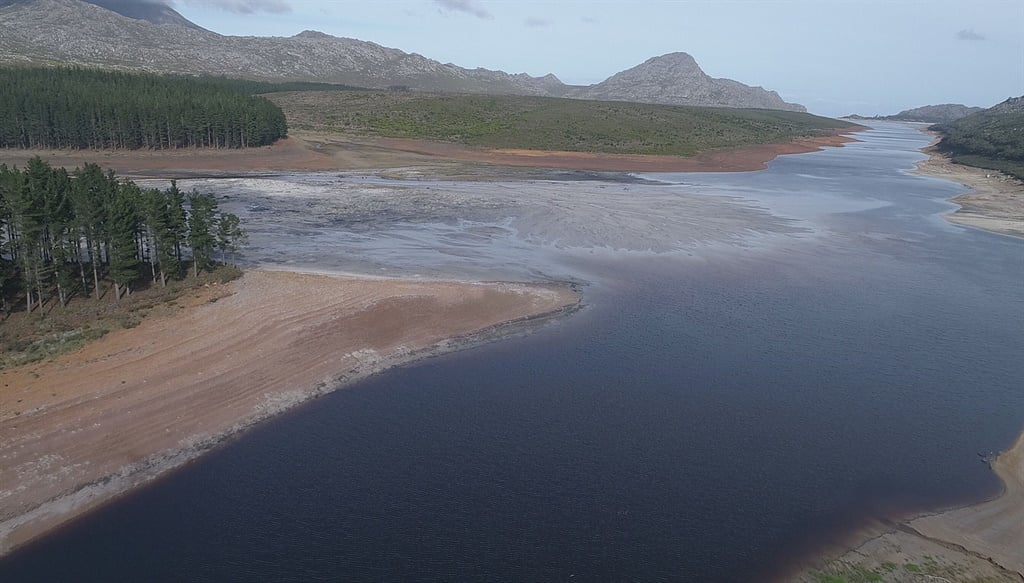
(321, 151)
(982, 542)
(77, 431)
(996, 203)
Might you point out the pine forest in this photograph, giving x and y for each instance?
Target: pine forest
(83, 233)
(73, 108)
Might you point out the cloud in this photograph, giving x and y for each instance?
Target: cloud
(534, 22)
(245, 6)
(969, 34)
(467, 6)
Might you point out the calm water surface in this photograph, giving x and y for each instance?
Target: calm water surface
(711, 416)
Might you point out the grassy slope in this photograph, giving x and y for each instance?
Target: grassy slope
(987, 140)
(544, 123)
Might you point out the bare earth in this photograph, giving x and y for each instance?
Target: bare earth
(321, 151)
(996, 203)
(78, 430)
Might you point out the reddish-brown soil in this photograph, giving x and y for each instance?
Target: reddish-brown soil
(320, 152)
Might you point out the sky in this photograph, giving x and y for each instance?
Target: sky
(836, 57)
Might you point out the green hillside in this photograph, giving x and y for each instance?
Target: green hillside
(546, 123)
(992, 139)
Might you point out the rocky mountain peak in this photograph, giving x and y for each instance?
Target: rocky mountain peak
(677, 79)
(313, 35)
(679, 62)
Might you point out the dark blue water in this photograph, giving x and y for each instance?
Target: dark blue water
(707, 419)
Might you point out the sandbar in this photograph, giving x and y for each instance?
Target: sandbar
(80, 429)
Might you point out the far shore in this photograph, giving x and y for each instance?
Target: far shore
(78, 430)
(312, 151)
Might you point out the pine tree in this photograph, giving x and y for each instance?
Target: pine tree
(91, 188)
(229, 235)
(123, 227)
(202, 224)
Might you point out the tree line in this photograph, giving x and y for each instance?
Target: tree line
(64, 233)
(73, 108)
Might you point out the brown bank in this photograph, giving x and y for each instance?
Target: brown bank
(78, 430)
(312, 151)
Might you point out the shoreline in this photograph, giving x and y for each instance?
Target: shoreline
(981, 539)
(995, 203)
(94, 428)
(975, 541)
(313, 151)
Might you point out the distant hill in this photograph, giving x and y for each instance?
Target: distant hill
(149, 36)
(992, 138)
(943, 113)
(676, 79)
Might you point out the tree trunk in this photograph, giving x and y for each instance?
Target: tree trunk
(95, 278)
(81, 274)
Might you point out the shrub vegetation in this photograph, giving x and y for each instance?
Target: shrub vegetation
(546, 123)
(988, 139)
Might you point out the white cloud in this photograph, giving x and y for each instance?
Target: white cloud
(245, 6)
(969, 34)
(467, 6)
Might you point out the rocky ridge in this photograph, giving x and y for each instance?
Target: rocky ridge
(1011, 105)
(147, 36)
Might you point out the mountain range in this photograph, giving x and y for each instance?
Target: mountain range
(151, 36)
